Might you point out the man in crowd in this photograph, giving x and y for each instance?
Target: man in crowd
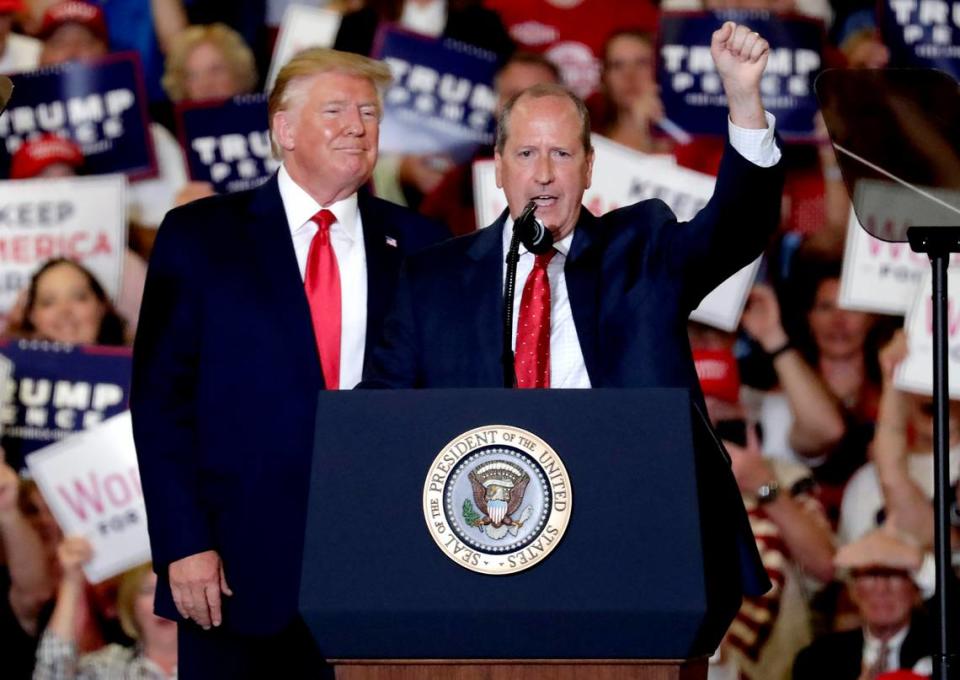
(607, 306)
(452, 202)
(894, 632)
(254, 302)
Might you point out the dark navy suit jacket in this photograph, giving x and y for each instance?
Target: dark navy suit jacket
(839, 656)
(633, 277)
(225, 382)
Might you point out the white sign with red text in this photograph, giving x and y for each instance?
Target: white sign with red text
(622, 177)
(91, 482)
(81, 218)
(915, 372)
(303, 27)
(879, 276)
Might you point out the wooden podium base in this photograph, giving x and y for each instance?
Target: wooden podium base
(520, 669)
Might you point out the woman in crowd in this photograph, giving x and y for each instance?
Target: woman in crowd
(65, 303)
(632, 104)
(828, 375)
(209, 62)
(153, 656)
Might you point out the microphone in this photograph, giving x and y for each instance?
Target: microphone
(533, 233)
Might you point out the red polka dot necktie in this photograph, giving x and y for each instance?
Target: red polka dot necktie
(532, 355)
(322, 284)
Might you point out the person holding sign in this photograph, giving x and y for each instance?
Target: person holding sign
(613, 295)
(154, 656)
(254, 302)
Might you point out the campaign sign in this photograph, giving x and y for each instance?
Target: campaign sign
(100, 105)
(692, 92)
(81, 218)
(880, 276)
(622, 177)
(922, 33)
(441, 100)
(56, 390)
(6, 370)
(302, 27)
(915, 372)
(91, 483)
(227, 143)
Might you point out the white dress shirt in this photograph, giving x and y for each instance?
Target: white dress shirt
(346, 236)
(872, 647)
(567, 368)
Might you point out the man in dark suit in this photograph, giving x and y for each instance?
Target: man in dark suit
(895, 633)
(608, 306)
(254, 302)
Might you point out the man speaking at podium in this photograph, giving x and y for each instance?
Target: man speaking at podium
(607, 306)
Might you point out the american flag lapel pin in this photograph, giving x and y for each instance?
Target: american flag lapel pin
(392, 242)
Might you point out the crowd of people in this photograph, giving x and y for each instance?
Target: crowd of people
(834, 463)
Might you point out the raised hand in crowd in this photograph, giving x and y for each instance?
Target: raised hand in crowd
(741, 56)
(907, 506)
(31, 581)
(197, 582)
(818, 423)
(804, 530)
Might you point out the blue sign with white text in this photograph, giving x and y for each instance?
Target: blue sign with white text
(56, 389)
(100, 105)
(691, 88)
(227, 143)
(922, 33)
(441, 101)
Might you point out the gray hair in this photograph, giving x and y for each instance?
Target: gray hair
(538, 92)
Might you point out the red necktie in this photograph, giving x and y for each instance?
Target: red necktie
(532, 356)
(322, 284)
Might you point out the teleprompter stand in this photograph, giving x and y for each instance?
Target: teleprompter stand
(897, 137)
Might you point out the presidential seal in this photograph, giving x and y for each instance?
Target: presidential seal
(497, 499)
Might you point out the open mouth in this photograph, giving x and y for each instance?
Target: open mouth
(544, 200)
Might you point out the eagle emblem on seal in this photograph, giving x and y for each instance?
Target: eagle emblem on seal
(498, 488)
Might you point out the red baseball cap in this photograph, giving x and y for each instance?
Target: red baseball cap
(718, 374)
(36, 154)
(74, 12)
(7, 6)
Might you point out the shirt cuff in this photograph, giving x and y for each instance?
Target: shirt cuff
(925, 578)
(757, 146)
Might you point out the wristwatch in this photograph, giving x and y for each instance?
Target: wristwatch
(767, 493)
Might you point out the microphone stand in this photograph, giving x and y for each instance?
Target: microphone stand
(509, 289)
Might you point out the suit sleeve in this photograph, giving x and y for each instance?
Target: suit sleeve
(163, 401)
(394, 363)
(728, 233)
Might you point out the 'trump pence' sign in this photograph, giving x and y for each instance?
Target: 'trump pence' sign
(92, 484)
(693, 93)
(923, 33)
(621, 177)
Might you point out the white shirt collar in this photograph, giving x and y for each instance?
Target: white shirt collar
(562, 246)
(872, 645)
(301, 206)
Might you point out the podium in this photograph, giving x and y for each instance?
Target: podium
(643, 583)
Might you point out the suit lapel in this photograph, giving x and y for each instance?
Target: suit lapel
(582, 273)
(273, 250)
(483, 282)
(383, 263)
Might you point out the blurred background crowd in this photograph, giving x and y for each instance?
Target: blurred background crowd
(833, 461)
